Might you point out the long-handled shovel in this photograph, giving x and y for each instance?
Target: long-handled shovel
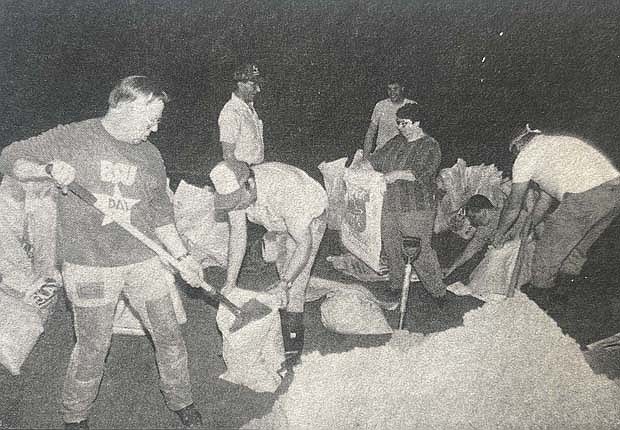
(250, 311)
(411, 249)
(516, 272)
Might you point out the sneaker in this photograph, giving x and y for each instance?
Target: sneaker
(82, 425)
(190, 417)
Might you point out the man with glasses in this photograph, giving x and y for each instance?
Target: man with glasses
(241, 130)
(112, 158)
(382, 122)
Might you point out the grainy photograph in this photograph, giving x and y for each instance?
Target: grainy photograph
(309, 214)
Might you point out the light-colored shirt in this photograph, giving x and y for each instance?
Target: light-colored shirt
(287, 199)
(240, 125)
(562, 164)
(384, 116)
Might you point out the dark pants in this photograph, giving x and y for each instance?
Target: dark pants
(571, 230)
(396, 225)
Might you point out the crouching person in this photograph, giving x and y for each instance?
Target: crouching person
(283, 199)
(112, 158)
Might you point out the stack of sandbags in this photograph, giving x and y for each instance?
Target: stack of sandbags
(459, 183)
(509, 367)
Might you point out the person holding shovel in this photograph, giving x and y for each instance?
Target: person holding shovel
(285, 200)
(112, 158)
(582, 180)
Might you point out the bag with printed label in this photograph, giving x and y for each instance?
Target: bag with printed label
(361, 226)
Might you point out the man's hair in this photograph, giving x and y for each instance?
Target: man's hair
(521, 135)
(395, 80)
(411, 111)
(476, 204)
(132, 87)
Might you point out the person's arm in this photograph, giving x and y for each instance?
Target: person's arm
(474, 246)
(299, 259)
(541, 207)
(228, 150)
(369, 139)
(510, 212)
(237, 243)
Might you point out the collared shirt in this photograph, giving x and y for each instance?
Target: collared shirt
(422, 157)
(384, 115)
(240, 125)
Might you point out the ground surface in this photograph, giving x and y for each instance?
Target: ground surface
(129, 397)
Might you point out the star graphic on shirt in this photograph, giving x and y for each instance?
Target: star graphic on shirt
(115, 207)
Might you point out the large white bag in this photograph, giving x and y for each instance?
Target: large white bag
(333, 173)
(20, 327)
(253, 354)
(194, 214)
(361, 227)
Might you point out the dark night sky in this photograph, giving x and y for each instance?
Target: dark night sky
(552, 62)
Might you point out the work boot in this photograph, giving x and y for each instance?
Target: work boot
(190, 417)
(292, 335)
(82, 425)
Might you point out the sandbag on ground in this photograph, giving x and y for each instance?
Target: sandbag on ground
(253, 354)
(20, 328)
(508, 367)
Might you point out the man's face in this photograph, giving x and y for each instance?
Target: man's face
(141, 118)
(480, 218)
(396, 92)
(248, 90)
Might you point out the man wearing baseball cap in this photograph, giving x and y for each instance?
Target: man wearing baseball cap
(285, 200)
(241, 130)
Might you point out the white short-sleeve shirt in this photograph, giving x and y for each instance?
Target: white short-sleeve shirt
(287, 199)
(562, 164)
(384, 116)
(239, 124)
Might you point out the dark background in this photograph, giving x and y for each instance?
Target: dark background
(555, 63)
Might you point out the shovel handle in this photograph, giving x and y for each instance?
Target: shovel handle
(86, 196)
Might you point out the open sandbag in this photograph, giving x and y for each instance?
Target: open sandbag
(333, 172)
(253, 354)
(20, 328)
(194, 215)
(361, 228)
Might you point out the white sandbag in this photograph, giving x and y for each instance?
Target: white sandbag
(361, 227)
(20, 328)
(493, 274)
(194, 214)
(319, 288)
(351, 312)
(254, 353)
(459, 183)
(127, 322)
(333, 173)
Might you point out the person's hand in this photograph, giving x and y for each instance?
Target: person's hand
(498, 241)
(191, 271)
(61, 173)
(225, 291)
(280, 290)
(396, 175)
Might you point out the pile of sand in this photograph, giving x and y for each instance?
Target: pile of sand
(508, 366)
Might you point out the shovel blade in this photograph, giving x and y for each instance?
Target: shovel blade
(251, 311)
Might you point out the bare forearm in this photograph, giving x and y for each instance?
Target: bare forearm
(236, 245)
(25, 170)
(169, 236)
(369, 139)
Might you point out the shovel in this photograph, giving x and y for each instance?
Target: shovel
(250, 311)
(411, 250)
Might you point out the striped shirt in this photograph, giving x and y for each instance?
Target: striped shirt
(422, 157)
